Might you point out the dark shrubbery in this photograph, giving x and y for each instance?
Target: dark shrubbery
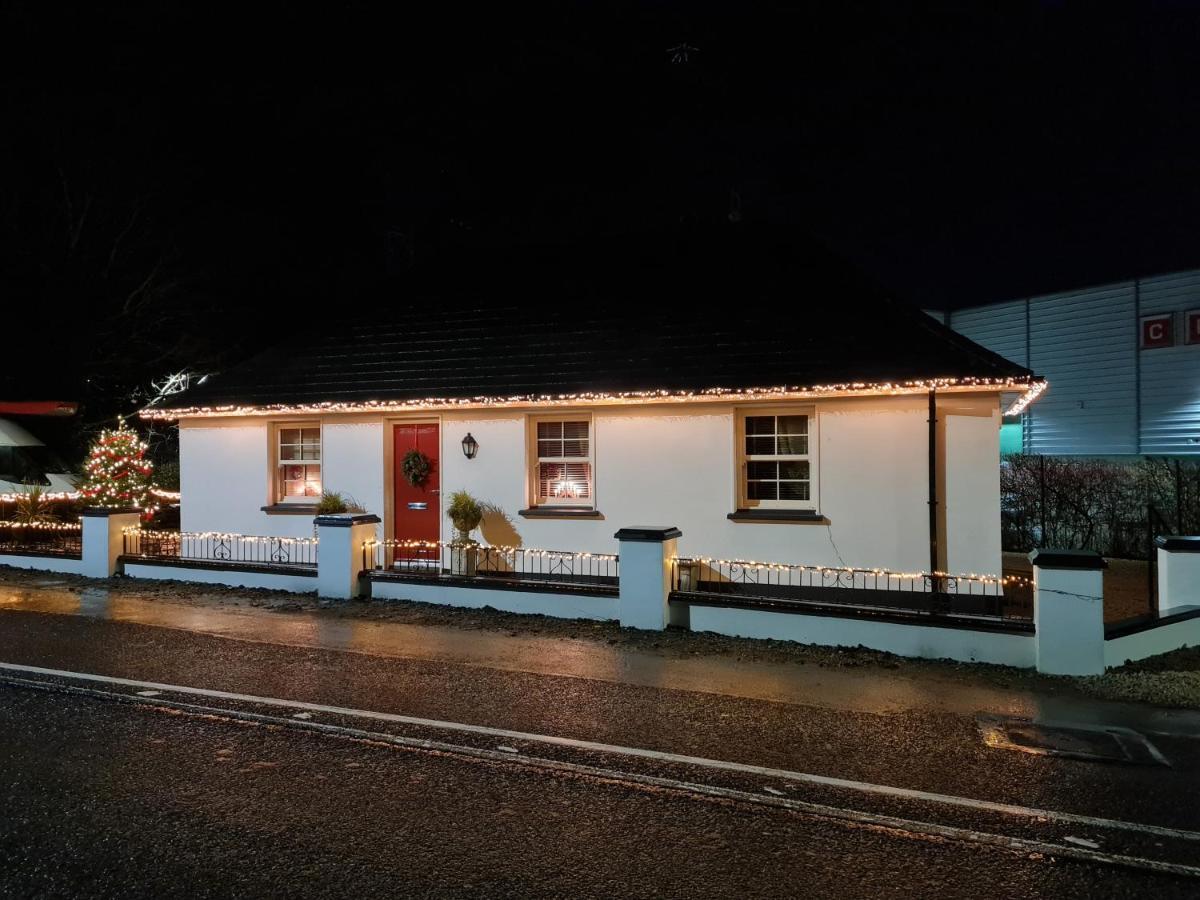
(1097, 504)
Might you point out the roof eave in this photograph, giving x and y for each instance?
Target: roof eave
(1030, 386)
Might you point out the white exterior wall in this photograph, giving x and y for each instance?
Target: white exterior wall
(972, 539)
(352, 462)
(654, 465)
(225, 476)
(676, 466)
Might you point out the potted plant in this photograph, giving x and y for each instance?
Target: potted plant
(465, 513)
(332, 503)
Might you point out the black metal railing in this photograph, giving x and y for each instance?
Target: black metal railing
(1008, 597)
(435, 559)
(218, 547)
(42, 539)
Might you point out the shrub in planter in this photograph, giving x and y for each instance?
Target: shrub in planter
(32, 506)
(332, 502)
(465, 513)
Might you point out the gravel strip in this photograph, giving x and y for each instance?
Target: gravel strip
(1172, 679)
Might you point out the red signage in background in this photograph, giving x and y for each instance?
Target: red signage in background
(1193, 326)
(1158, 331)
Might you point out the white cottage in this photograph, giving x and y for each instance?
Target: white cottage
(761, 399)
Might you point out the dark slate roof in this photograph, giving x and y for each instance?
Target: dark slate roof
(737, 309)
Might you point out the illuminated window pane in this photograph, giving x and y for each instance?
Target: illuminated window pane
(564, 481)
(299, 462)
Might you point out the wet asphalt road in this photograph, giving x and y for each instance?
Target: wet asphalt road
(102, 797)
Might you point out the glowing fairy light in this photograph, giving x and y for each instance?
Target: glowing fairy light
(710, 562)
(73, 527)
(1019, 405)
(526, 551)
(1030, 385)
(52, 496)
(216, 536)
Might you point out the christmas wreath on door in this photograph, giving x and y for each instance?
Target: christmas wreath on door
(415, 467)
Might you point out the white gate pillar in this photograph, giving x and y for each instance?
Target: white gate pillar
(1068, 611)
(1178, 572)
(645, 576)
(104, 538)
(340, 539)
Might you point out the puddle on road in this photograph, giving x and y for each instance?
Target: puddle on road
(853, 689)
(1103, 744)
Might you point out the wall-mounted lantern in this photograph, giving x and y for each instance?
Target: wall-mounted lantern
(470, 446)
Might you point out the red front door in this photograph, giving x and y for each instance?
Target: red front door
(418, 507)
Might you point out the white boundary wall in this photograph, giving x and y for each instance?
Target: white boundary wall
(65, 565)
(1151, 642)
(921, 641)
(543, 603)
(231, 577)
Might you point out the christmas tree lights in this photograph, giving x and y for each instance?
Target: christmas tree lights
(118, 472)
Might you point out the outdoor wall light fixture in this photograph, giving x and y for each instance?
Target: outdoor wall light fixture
(470, 446)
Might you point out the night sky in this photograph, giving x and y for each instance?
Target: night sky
(180, 186)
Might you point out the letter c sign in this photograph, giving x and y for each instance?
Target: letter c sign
(1158, 331)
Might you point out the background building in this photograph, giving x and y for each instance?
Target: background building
(1122, 361)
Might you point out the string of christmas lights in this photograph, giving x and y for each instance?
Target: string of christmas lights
(1031, 386)
(53, 496)
(527, 551)
(160, 493)
(215, 536)
(42, 526)
(711, 562)
(1035, 390)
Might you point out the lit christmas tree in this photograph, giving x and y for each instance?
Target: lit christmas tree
(117, 470)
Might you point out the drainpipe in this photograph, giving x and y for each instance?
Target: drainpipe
(933, 496)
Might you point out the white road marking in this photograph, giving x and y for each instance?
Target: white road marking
(890, 824)
(637, 752)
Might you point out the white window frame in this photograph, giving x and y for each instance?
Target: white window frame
(279, 462)
(744, 458)
(534, 468)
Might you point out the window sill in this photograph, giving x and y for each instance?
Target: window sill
(560, 512)
(793, 516)
(290, 509)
